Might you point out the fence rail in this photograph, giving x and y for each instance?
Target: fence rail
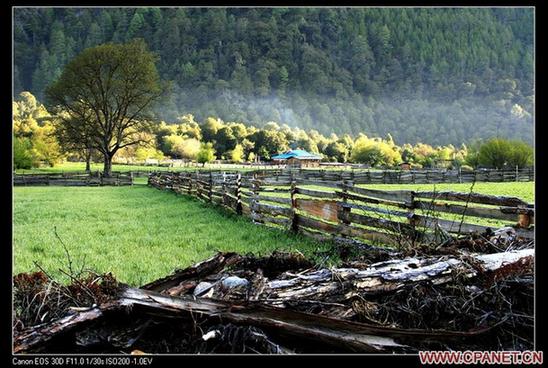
(73, 179)
(429, 176)
(343, 210)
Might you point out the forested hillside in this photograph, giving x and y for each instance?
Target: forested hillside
(436, 76)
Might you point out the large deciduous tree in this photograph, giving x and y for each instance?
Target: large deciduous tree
(107, 92)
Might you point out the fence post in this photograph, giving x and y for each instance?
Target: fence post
(197, 185)
(210, 192)
(411, 219)
(223, 201)
(239, 194)
(255, 199)
(294, 216)
(188, 177)
(517, 173)
(344, 212)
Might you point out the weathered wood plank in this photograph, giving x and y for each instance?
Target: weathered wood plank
(275, 190)
(305, 221)
(246, 210)
(473, 198)
(327, 210)
(383, 211)
(315, 193)
(355, 197)
(272, 210)
(247, 193)
(373, 236)
(395, 226)
(402, 196)
(454, 227)
(274, 199)
(483, 212)
(283, 221)
(322, 183)
(319, 236)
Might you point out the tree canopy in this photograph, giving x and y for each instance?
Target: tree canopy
(104, 96)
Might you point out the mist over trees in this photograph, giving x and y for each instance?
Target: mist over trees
(437, 76)
(39, 140)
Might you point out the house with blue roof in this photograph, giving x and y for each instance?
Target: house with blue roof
(297, 158)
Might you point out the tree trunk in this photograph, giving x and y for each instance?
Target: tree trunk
(107, 170)
(88, 160)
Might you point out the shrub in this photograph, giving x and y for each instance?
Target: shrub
(22, 156)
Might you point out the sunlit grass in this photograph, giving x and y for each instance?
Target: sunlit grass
(138, 233)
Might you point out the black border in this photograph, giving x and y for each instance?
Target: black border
(162, 360)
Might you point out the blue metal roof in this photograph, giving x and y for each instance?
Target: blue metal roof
(296, 154)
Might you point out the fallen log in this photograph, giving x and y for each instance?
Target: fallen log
(345, 335)
(40, 335)
(386, 276)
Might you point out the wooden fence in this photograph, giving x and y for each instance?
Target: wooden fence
(344, 210)
(390, 176)
(73, 179)
(428, 176)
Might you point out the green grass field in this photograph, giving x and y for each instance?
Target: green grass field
(138, 233)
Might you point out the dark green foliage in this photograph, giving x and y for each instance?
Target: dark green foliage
(435, 75)
(498, 153)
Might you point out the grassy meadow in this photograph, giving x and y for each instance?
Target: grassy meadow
(138, 233)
